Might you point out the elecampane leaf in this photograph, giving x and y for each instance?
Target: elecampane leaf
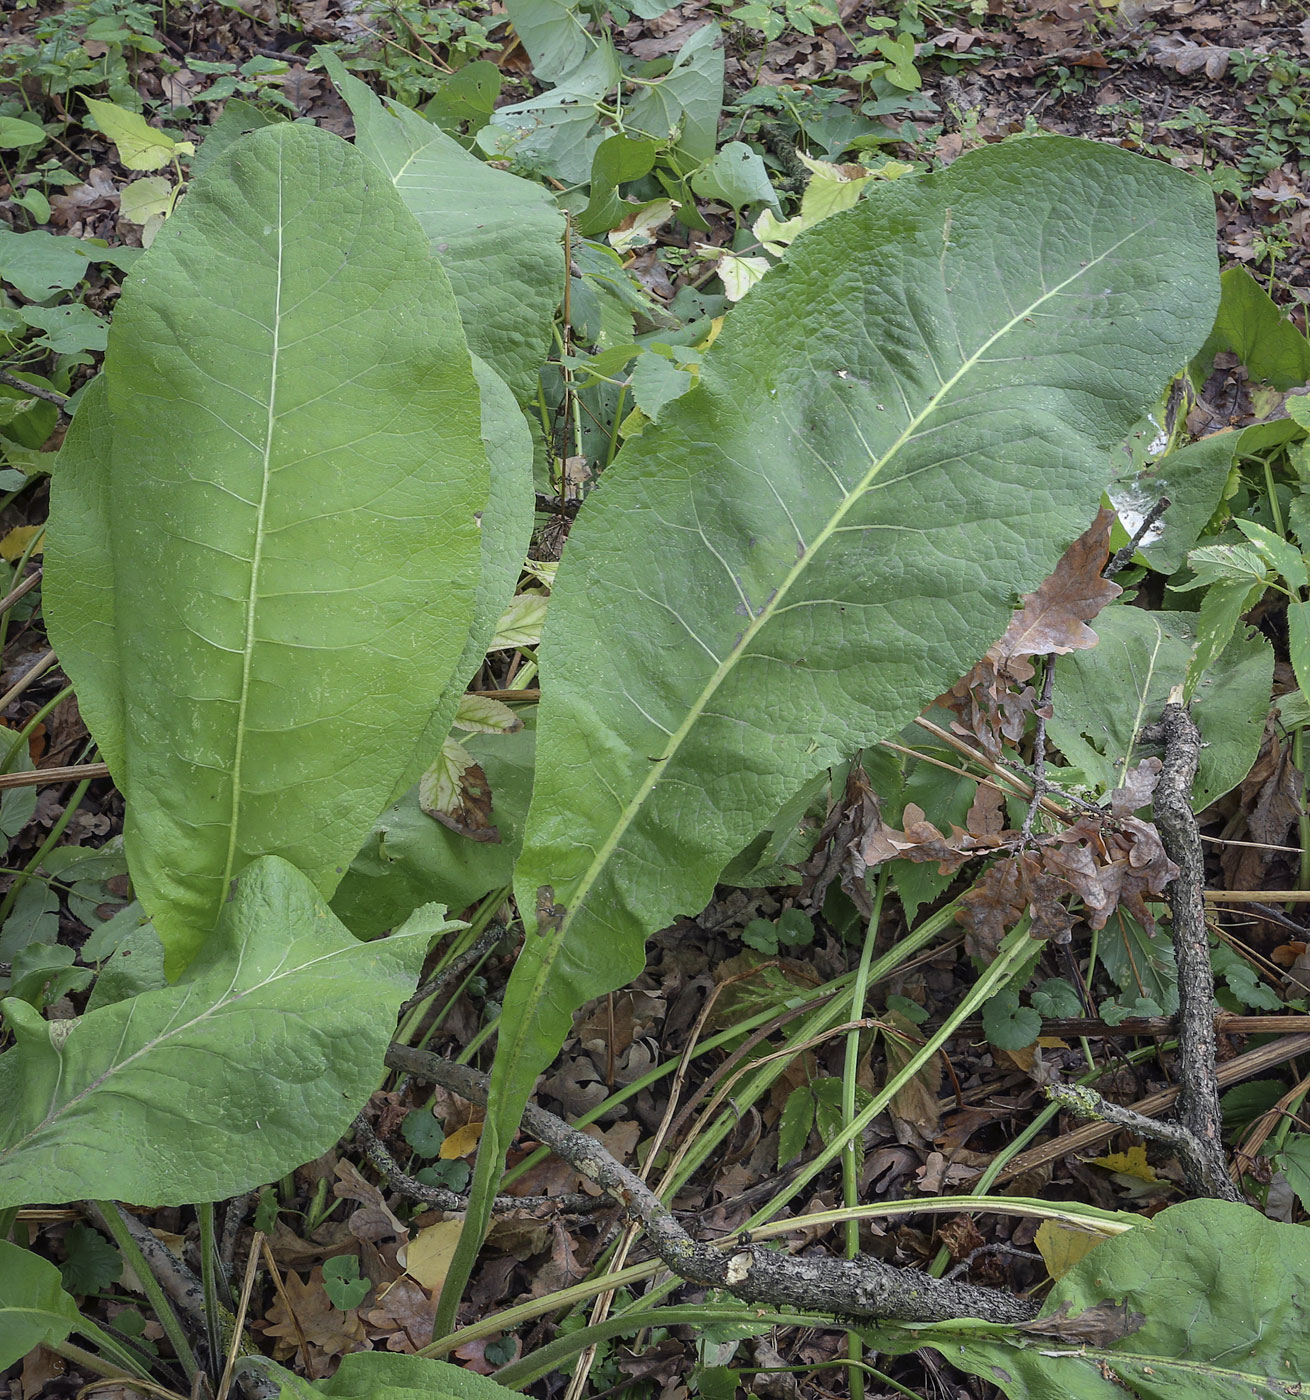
(308, 1007)
(263, 597)
(897, 433)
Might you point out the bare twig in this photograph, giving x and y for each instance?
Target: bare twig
(861, 1287)
(1234, 1071)
(233, 1219)
(462, 964)
(36, 390)
(445, 1199)
(20, 590)
(48, 777)
(1087, 1103)
(1123, 556)
(1039, 747)
(1207, 1169)
(28, 678)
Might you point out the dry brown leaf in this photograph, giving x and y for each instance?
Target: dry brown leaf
(961, 1236)
(1053, 620)
(404, 1315)
(328, 1331)
(374, 1220)
(1102, 1325)
(1185, 56)
(914, 1111)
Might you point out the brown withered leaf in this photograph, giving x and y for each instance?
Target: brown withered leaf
(1101, 860)
(1268, 806)
(836, 852)
(404, 1315)
(914, 1111)
(992, 703)
(986, 815)
(988, 706)
(993, 906)
(961, 1236)
(456, 792)
(1101, 1325)
(1186, 57)
(920, 841)
(1053, 620)
(328, 1331)
(1137, 788)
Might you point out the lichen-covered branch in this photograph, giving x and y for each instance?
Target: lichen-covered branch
(860, 1287)
(1207, 1170)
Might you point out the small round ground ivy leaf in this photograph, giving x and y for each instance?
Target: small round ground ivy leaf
(1008, 1025)
(1056, 997)
(423, 1133)
(342, 1283)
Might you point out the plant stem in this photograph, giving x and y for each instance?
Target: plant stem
(209, 1281)
(850, 1161)
(109, 1213)
(46, 846)
(1015, 950)
(25, 733)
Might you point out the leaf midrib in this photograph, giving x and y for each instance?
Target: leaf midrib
(256, 560)
(770, 609)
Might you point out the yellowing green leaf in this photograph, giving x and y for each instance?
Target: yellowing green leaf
(455, 791)
(1061, 1246)
(145, 199)
(739, 274)
(480, 714)
(140, 146)
(520, 624)
(428, 1253)
(1131, 1163)
(639, 228)
(461, 1142)
(15, 543)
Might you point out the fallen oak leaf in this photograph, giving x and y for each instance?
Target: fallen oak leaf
(1053, 620)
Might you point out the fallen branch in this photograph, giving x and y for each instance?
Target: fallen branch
(445, 1199)
(1087, 1103)
(36, 390)
(861, 1287)
(1234, 1071)
(1200, 1115)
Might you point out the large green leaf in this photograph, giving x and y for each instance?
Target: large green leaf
(506, 533)
(77, 588)
(1210, 1300)
(379, 1375)
(1252, 325)
(34, 1309)
(289, 526)
(898, 432)
(497, 236)
(252, 1064)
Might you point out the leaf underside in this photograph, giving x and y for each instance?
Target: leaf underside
(265, 542)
